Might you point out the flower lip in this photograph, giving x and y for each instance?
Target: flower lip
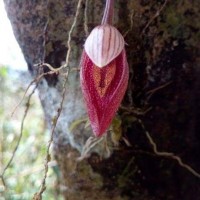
(104, 44)
(102, 101)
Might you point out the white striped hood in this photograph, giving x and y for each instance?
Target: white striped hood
(104, 44)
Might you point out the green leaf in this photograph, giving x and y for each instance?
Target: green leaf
(3, 71)
(116, 133)
(75, 123)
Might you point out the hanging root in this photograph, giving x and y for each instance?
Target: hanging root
(94, 142)
(20, 137)
(90, 143)
(131, 24)
(86, 19)
(36, 80)
(168, 154)
(38, 195)
(154, 17)
(53, 70)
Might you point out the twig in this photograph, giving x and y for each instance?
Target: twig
(36, 80)
(3, 181)
(168, 154)
(35, 169)
(21, 132)
(154, 17)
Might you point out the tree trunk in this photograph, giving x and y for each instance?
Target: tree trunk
(163, 48)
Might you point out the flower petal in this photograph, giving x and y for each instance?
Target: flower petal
(103, 89)
(104, 44)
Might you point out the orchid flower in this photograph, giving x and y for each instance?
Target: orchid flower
(104, 72)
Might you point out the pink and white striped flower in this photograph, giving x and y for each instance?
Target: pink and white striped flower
(104, 72)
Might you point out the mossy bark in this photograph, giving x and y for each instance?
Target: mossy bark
(164, 76)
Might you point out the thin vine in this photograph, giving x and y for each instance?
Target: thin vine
(38, 195)
(19, 138)
(168, 154)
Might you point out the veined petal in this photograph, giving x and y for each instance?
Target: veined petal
(104, 44)
(103, 89)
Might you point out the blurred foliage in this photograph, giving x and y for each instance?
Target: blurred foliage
(23, 177)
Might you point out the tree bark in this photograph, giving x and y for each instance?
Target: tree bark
(163, 48)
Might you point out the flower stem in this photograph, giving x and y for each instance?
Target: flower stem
(108, 12)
